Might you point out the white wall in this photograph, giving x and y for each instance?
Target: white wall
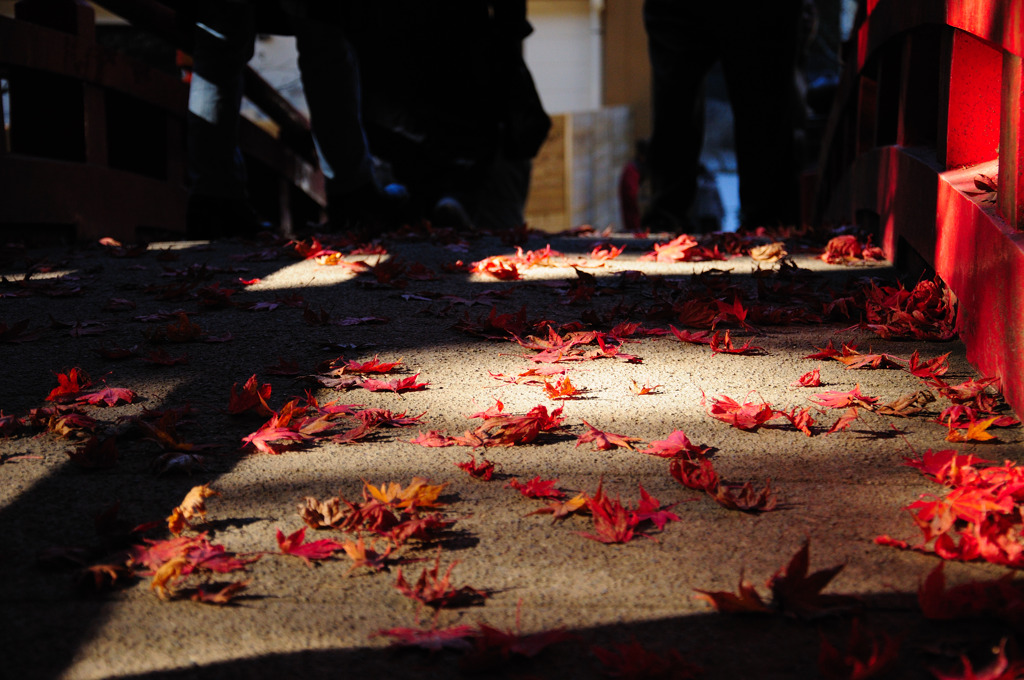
(564, 53)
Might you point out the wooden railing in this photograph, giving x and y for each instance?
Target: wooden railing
(926, 142)
(97, 138)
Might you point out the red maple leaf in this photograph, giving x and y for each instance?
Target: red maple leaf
(435, 590)
(70, 385)
(374, 365)
(603, 441)
(219, 593)
(562, 389)
(809, 379)
(676, 445)
(866, 655)
(834, 399)
(108, 396)
(731, 312)
(844, 421)
(606, 251)
(1000, 598)
(1001, 668)
(278, 429)
(800, 419)
(697, 473)
(252, 396)
(827, 352)
(433, 639)
(484, 470)
(294, 544)
(855, 360)
(745, 600)
(746, 416)
(433, 438)
(725, 346)
(697, 338)
(932, 368)
(536, 488)
(798, 593)
(613, 522)
(397, 386)
(649, 509)
(744, 498)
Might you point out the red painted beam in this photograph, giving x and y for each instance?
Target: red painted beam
(958, 231)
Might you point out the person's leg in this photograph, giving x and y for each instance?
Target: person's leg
(682, 43)
(224, 36)
(504, 187)
(218, 201)
(330, 79)
(759, 65)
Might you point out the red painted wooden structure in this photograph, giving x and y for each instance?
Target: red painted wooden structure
(931, 101)
(97, 138)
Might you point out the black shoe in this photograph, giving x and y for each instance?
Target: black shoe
(211, 217)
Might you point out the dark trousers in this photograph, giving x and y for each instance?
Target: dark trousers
(225, 36)
(757, 43)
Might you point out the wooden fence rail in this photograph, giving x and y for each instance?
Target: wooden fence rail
(97, 138)
(929, 117)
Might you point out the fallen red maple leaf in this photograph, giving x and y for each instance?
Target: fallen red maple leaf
(746, 416)
(800, 419)
(433, 438)
(723, 345)
(433, 639)
(1001, 598)
(562, 389)
(809, 379)
(834, 399)
(252, 396)
(745, 600)
(697, 473)
(374, 365)
(559, 509)
(866, 655)
(294, 544)
(69, 385)
(484, 470)
(536, 488)
(277, 429)
(676, 445)
(434, 590)
(798, 593)
(696, 338)
(603, 441)
(1001, 668)
(219, 593)
(932, 368)
(397, 386)
(108, 396)
(844, 421)
(744, 498)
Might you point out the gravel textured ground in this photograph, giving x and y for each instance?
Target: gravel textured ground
(835, 492)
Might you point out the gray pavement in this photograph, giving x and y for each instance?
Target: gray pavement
(836, 491)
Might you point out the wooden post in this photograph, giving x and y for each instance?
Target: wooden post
(971, 92)
(1011, 143)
